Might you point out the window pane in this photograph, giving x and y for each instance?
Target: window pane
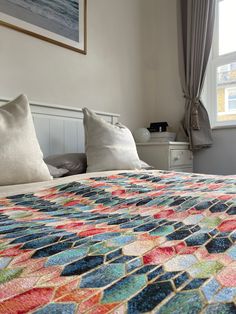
(226, 92)
(232, 105)
(227, 26)
(231, 93)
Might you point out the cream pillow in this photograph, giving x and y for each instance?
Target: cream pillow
(21, 160)
(107, 146)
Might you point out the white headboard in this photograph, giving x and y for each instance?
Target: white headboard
(60, 128)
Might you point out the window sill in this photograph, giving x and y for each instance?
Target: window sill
(221, 127)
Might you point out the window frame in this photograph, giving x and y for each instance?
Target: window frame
(209, 95)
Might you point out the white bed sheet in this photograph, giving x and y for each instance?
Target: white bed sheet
(34, 187)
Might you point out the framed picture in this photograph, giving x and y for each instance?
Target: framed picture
(60, 22)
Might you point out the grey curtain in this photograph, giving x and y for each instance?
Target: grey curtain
(195, 30)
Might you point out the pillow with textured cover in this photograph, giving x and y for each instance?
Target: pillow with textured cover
(108, 146)
(74, 163)
(21, 159)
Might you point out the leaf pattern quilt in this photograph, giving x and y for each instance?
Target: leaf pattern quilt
(134, 242)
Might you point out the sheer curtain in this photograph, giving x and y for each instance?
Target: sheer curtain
(195, 30)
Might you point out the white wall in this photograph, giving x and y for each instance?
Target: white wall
(163, 93)
(109, 78)
(221, 157)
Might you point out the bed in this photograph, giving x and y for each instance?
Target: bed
(119, 242)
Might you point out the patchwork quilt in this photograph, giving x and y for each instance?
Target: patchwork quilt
(128, 243)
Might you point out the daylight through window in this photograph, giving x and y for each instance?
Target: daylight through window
(221, 76)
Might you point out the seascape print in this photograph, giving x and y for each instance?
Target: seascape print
(57, 16)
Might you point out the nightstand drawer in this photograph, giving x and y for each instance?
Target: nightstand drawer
(179, 157)
(174, 156)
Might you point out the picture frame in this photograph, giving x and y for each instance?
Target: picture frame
(61, 22)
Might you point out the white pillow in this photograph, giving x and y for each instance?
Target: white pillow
(21, 160)
(107, 146)
(145, 166)
(56, 172)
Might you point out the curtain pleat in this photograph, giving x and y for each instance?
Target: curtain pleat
(195, 29)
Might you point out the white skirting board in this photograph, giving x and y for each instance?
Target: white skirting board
(60, 128)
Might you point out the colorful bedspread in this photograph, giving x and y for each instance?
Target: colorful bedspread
(127, 243)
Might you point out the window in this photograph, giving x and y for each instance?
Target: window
(220, 86)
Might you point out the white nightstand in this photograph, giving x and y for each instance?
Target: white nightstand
(174, 156)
